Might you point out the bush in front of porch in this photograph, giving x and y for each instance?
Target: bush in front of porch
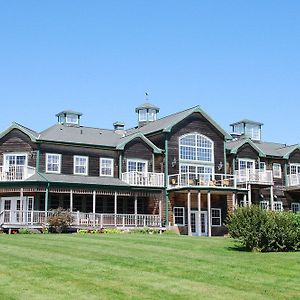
(265, 231)
(60, 220)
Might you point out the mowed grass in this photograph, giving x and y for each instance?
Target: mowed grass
(131, 266)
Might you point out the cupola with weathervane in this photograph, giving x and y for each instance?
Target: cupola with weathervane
(247, 128)
(147, 113)
(69, 117)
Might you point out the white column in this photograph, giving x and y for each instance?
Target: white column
(209, 213)
(245, 199)
(22, 208)
(94, 208)
(71, 200)
(135, 210)
(189, 212)
(249, 195)
(199, 213)
(234, 201)
(116, 207)
(272, 197)
(160, 211)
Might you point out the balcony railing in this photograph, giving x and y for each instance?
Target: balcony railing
(80, 219)
(254, 176)
(293, 180)
(202, 180)
(144, 179)
(15, 173)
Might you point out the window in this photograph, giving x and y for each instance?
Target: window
(53, 163)
(136, 165)
(152, 115)
(216, 217)
(106, 167)
(294, 169)
(178, 214)
(276, 170)
(264, 204)
(196, 147)
(277, 205)
(143, 115)
(81, 165)
(238, 128)
(72, 119)
(295, 207)
(195, 171)
(253, 131)
(262, 166)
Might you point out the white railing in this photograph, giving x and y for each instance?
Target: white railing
(15, 173)
(202, 180)
(254, 176)
(144, 178)
(38, 218)
(293, 180)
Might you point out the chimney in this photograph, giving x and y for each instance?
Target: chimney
(119, 127)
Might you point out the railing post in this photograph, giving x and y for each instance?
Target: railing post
(78, 217)
(101, 220)
(123, 221)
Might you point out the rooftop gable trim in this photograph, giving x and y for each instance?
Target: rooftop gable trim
(122, 145)
(15, 125)
(287, 155)
(253, 145)
(199, 110)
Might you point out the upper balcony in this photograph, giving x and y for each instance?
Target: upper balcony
(221, 181)
(16, 173)
(251, 176)
(149, 179)
(293, 180)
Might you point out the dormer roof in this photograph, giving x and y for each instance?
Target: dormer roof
(247, 121)
(147, 105)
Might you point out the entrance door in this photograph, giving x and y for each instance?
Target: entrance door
(196, 229)
(246, 167)
(14, 166)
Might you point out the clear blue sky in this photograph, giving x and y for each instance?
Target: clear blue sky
(236, 59)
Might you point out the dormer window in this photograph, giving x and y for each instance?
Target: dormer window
(152, 115)
(143, 115)
(68, 117)
(146, 113)
(252, 131)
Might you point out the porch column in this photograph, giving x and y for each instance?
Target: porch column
(272, 197)
(245, 200)
(234, 201)
(116, 207)
(135, 210)
(160, 212)
(249, 195)
(189, 212)
(71, 200)
(46, 203)
(209, 213)
(199, 213)
(24, 213)
(94, 208)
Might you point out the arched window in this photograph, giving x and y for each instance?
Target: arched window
(196, 147)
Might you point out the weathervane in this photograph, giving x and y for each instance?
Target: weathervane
(146, 96)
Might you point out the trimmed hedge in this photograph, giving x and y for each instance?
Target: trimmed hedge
(262, 230)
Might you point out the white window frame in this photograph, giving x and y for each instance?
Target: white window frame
(151, 115)
(74, 164)
(183, 215)
(143, 161)
(253, 131)
(246, 160)
(112, 166)
(275, 170)
(220, 216)
(197, 149)
(14, 154)
(277, 206)
(59, 163)
(297, 166)
(264, 168)
(295, 207)
(264, 204)
(142, 117)
(69, 118)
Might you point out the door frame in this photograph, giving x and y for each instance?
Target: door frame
(198, 231)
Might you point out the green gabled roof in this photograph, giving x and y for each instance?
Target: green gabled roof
(125, 140)
(166, 124)
(234, 146)
(289, 150)
(33, 135)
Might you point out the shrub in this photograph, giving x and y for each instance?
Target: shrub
(60, 220)
(111, 230)
(262, 230)
(145, 230)
(25, 231)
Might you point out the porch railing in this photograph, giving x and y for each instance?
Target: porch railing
(201, 180)
(15, 173)
(38, 218)
(144, 178)
(293, 180)
(254, 176)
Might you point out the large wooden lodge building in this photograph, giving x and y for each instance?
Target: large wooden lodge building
(181, 171)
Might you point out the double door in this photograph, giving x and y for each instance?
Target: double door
(199, 225)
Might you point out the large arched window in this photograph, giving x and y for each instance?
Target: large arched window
(196, 147)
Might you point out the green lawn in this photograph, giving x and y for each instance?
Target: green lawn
(125, 266)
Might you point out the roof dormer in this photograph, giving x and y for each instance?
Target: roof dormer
(147, 113)
(248, 128)
(69, 117)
